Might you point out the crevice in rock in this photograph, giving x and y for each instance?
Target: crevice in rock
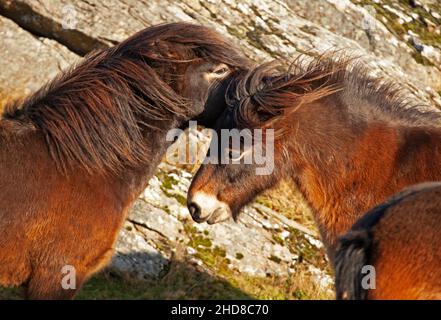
(42, 26)
(143, 225)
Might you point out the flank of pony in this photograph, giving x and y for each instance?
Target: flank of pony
(400, 240)
(347, 141)
(76, 154)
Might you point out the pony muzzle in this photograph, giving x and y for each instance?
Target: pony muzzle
(207, 208)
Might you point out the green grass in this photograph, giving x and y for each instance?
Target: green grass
(181, 282)
(108, 286)
(10, 293)
(187, 281)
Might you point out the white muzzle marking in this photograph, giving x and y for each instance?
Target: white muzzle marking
(212, 210)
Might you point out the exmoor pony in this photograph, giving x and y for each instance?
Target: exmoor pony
(77, 153)
(345, 140)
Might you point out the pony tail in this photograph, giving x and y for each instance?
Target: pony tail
(353, 253)
(356, 248)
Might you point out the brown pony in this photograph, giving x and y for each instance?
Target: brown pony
(77, 153)
(401, 240)
(347, 141)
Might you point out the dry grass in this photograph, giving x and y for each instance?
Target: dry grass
(299, 286)
(288, 201)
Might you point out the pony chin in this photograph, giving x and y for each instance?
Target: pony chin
(219, 215)
(211, 209)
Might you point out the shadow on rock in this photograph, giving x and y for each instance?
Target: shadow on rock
(177, 280)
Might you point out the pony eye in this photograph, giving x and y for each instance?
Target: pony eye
(220, 71)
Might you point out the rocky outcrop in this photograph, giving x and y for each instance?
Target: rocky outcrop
(28, 61)
(384, 34)
(399, 40)
(263, 243)
(389, 32)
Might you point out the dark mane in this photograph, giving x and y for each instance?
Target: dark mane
(265, 94)
(95, 113)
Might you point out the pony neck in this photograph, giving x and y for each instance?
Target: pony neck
(320, 144)
(135, 179)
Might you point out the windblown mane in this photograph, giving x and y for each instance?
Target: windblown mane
(94, 114)
(265, 95)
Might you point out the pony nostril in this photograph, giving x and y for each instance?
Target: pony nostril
(195, 210)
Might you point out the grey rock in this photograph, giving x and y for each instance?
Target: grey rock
(136, 257)
(158, 221)
(28, 61)
(263, 29)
